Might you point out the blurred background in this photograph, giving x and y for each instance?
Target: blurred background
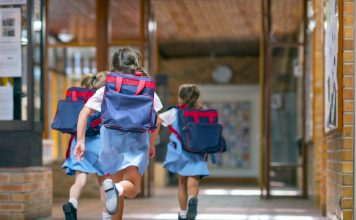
(280, 73)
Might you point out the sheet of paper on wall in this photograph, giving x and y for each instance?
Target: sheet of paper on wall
(6, 102)
(12, 2)
(10, 25)
(10, 60)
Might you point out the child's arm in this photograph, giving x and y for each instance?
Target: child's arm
(153, 137)
(81, 127)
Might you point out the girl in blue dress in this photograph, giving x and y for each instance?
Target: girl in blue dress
(89, 164)
(190, 167)
(121, 151)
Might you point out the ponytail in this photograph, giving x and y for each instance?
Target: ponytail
(127, 60)
(142, 70)
(99, 80)
(190, 95)
(115, 61)
(87, 81)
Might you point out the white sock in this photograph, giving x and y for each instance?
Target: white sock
(183, 213)
(119, 188)
(74, 202)
(106, 216)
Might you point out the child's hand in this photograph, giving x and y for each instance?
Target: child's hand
(152, 151)
(79, 151)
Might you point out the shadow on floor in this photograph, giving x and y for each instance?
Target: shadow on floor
(214, 204)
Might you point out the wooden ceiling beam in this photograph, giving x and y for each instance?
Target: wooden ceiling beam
(203, 49)
(122, 42)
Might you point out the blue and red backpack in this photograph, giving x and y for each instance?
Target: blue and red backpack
(68, 110)
(128, 102)
(199, 130)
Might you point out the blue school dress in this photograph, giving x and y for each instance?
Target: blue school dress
(90, 163)
(122, 149)
(183, 162)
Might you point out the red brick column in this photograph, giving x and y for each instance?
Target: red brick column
(317, 151)
(331, 156)
(25, 193)
(340, 145)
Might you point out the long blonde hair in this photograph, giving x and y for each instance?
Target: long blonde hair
(92, 81)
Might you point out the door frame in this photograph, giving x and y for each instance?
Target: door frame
(266, 46)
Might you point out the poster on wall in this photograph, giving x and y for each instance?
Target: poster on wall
(10, 25)
(235, 116)
(10, 60)
(331, 27)
(10, 42)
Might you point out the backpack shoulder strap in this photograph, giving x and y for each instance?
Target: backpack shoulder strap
(179, 121)
(175, 132)
(173, 106)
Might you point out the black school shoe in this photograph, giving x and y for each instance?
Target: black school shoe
(70, 212)
(192, 208)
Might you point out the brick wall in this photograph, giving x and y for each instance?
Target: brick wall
(331, 156)
(63, 182)
(317, 150)
(25, 193)
(340, 144)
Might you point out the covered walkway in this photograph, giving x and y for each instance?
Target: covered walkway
(215, 203)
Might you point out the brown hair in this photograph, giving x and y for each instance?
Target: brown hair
(87, 81)
(190, 95)
(92, 81)
(127, 60)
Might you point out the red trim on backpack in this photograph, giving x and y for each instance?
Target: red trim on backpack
(118, 83)
(69, 145)
(140, 87)
(130, 82)
(196, 115)
(74, 96)
(95, 123)
(182, 106)
(174, 131)
(78, 94)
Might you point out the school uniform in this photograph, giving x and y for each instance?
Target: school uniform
(177, 159)
(90, 162)
(122, 149)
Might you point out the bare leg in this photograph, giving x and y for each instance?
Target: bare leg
(193, 186)
(132, 182)
(128, 187)
(182, 192)
(117, 178)
(102, 194)
(193, 191)
(76, 188)
(70, 208)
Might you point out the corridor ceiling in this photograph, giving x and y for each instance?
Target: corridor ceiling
(184, 27)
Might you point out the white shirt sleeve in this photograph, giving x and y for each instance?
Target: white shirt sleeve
(95, 101)
(168, 117)
(157, 104)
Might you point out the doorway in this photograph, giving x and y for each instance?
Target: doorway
(282, 80)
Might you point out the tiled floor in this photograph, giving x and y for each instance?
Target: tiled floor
(214, 204)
